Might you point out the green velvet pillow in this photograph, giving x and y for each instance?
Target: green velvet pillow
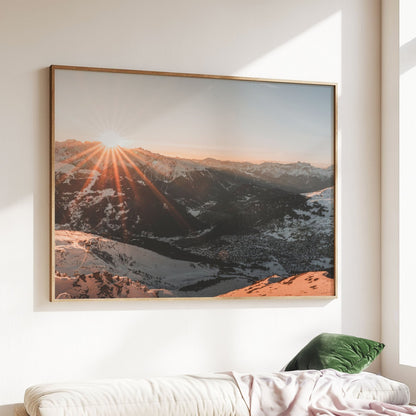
(344, 353)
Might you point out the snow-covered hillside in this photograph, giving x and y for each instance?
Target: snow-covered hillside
(82, 253)
(324, 197)
(100, 285)
(305, 284)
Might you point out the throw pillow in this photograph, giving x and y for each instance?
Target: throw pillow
(344, 353)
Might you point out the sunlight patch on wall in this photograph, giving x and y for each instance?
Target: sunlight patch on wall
(323, 60)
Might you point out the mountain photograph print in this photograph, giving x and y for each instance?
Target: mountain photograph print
(168, 185)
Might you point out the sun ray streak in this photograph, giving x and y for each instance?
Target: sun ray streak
(78, 155)
(127, 173)
(104, 174)
(119, 190)
(88, 181)
(79, 164)
(80, 194)
(153, 188)
(148, 162)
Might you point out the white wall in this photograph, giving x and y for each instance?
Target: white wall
(390, 187)
(398, 195)
(321, 40)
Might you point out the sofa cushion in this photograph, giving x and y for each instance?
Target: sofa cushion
(174, 396)
(373, 387)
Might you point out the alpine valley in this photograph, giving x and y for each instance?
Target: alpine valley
(132, 223)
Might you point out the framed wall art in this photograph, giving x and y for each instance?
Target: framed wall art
(170, 185)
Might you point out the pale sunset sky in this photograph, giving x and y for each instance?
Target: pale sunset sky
(197, 117)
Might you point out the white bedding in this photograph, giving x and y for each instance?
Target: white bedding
(323, 392)
(297, 393)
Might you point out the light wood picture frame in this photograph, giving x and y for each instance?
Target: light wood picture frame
(189, 186)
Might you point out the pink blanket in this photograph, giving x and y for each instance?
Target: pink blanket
(311, 392)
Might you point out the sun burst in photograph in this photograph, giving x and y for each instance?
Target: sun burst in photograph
(110, 139)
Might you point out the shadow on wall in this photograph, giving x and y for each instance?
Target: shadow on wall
(280, 23)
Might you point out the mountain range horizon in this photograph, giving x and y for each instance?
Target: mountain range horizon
(201, 158)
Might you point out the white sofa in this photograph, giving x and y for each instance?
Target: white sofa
(215, 394)
(222, 394)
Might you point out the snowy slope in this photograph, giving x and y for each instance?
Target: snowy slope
(306, 236)
(324, 197)
(82, 253)
(99, 285)
(318, 218)
(305, 284)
